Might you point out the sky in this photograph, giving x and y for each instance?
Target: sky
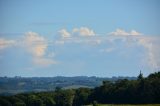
(104, 38)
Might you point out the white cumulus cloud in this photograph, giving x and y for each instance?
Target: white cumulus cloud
(64, 33)
(151, 44)
(121, 32)
(37, 45)
(77, 32)
(83, 31)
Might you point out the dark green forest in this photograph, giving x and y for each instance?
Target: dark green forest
(143, 90)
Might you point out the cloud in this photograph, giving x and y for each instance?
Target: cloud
(151, 44)
(64, 33)
(78, 35)
(124, 36)
(35, 43)
(5, 43)
(77, 32)
(37, 46)
(121, 32)
(83, 31)
(135, 33)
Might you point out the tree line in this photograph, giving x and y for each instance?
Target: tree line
(139, 91)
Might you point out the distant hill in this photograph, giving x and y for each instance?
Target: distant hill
(14, 85)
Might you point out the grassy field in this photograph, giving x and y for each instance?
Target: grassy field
(126, 105)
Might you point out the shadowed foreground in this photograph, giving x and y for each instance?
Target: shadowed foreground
(126, 105)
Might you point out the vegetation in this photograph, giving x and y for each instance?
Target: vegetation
(14, 85)
(123, 91)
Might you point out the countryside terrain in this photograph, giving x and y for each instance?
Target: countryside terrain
(143, 91)
(14, 85)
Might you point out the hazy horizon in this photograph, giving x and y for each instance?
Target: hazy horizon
(70, 76)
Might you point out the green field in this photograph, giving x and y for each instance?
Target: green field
(126, 105)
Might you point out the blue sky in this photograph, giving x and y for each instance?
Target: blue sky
(71, 38)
